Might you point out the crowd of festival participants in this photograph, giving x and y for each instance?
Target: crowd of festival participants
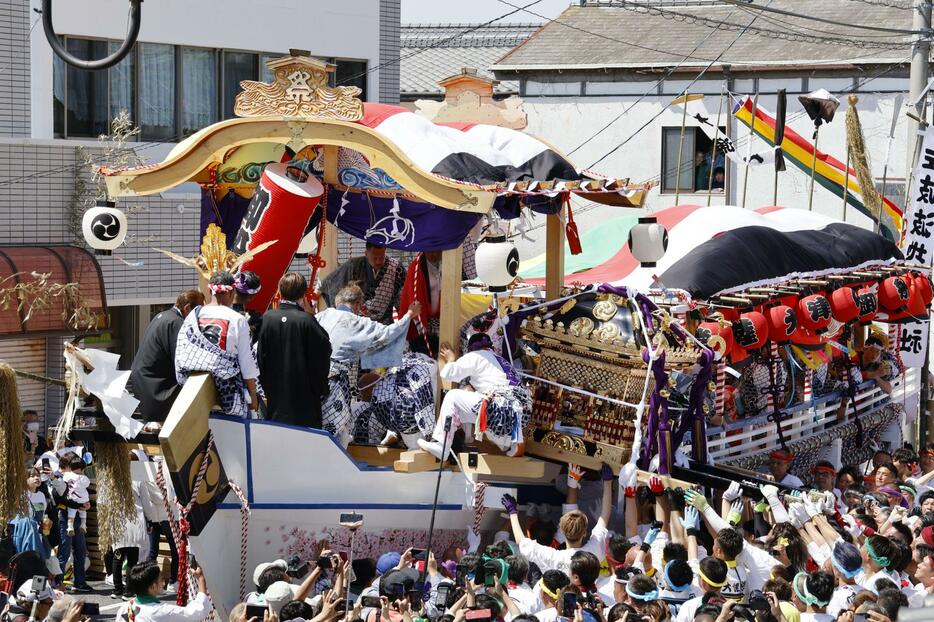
(841, 542)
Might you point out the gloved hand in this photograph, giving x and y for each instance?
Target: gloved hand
(813, 509)
(652, 534)
(761, 506)
(733, 493)
(606, 473)
(829, 504)
(691, 518)
(675, 498)
(627, 476)
(656, 486)
(575, 473)
(735, 515)
(897, 514)
(696, 499)
(799, 515)
(510, 504)
(768, 490)
(852, 525)
(794, 498)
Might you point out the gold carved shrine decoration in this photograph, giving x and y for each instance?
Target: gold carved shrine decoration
(300, 90)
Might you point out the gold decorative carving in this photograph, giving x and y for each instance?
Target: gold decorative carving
(299, 90)
(604, 310)
(215, 255)
(565, 442)
(581, 327)
(611, 454)
(607, 332)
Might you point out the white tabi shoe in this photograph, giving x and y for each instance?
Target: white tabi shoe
(411, 440)
(432, 447)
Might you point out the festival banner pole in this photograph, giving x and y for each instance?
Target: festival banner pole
(899, 99)
(713, 147)
(813, 168)
(846, 180)
(752, 133)
(684, 116)
(780, 113)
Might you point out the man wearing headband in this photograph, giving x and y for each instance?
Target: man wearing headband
(216, 339)
(812, 592)
(246, 286)
(878, 553)
(845, 563)
(294, 356)
(780, 465)
(640, 591)
(550, 585)
(878, 364)
(380, 277)
(711, 577)
(499, 403)
(152, 376)
(824, 476)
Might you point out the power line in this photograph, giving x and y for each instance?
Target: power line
(768, 9)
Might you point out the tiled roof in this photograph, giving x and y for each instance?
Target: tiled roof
(430, 53)
(652, 33)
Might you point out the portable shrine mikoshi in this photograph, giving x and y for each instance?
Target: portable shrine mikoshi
(388, 176)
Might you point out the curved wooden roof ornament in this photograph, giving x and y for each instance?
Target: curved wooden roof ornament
(297, 110)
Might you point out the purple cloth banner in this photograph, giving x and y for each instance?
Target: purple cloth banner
(414, 226)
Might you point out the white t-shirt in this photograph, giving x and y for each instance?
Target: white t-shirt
(38, 503)
(77, 486)
(842, 599)
(817, 617)
(869, 582)
(229, 330)
(547, 558)
(480, 368)
(524, 597)
(688, 609)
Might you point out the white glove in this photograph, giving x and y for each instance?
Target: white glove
(768, 490)
(733, 492)
(574, 476)
(813, 509)
(800, 514)
(627, 475)
(829, 504)
(852, 526)
(897, 514)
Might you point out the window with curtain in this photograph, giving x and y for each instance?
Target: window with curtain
(122, 84)
(237, 66)
(157, 91)
(701, 167)
(199, 89)
(352, 73)
(86, 91)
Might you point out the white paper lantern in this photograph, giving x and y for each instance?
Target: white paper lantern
(648, 241)
(497, 262)
(104, 227)
(308, 244)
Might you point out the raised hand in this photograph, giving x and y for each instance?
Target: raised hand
(656, 486)
(733, 493)
(735, 515)
(606, 473)
(575, 473)
(627, 476)
(696, 499)
(510, 504)
(691, 518)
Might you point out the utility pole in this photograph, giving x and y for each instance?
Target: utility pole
(920, 53)
(920, 56)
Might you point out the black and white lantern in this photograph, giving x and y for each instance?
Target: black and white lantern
(104, 227)
(648, 241)
(497, 262)
(308, 244)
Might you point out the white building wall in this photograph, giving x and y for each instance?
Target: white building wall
(566, 122)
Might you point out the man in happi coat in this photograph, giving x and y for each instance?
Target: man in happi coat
(497, 403)
(380, 277)
(152, 379)
(294, 355)
(423, 284)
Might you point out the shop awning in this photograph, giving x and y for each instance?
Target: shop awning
(50, 290)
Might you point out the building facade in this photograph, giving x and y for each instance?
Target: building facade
(181, 76)
(597, 83)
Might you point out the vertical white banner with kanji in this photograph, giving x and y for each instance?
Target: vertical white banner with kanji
(919, 247)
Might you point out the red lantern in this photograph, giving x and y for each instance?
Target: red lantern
(751, 330)
(916, 307)
(924, 288)
(814, 313)
(894, 294)
(868, 305)
(782, 323)
(716, 336)
(806, 339)
(844, 304)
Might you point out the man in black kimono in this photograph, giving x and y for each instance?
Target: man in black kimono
(152, 379)
(294, 356)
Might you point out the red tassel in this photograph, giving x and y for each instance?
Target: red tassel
(574, 240)
(481, 418)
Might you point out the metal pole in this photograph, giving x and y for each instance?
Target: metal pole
(684, 116)
(813, 168)
(353, 538)
(713, 148)
(920, 51)
(752, 133)
(846, 181)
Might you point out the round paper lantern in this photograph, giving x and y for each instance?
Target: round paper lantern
(718, 337)
(916, 308)
(806, 339)
(648, 241)
(924, 288)
(104, 227)
(308, 244)
(284, 201)
(894, 294)
(844, 304)
(497, 262)
(868, 305)
(782, 323)
(814, 313)
(751, 331)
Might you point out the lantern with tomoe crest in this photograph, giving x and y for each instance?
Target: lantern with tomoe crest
(497, 262)
(104, 227)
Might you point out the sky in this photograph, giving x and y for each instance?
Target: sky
(476, 11)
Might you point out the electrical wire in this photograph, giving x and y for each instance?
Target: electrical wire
(768, 9)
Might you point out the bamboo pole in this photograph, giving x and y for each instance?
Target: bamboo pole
(713, 148)
(846, 182)
(684, 116)
(752, 133)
